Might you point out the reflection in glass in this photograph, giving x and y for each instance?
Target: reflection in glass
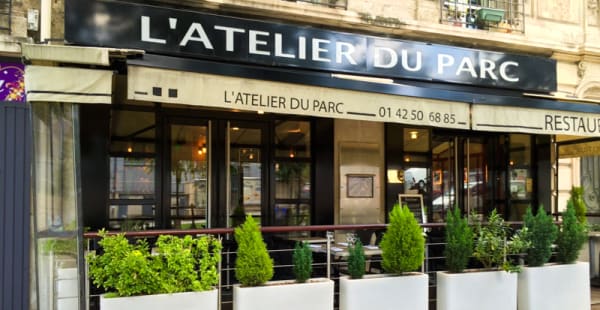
(292, 214)
(292, 180)
(292, 139)
(55, 201)
(132, 137)
(443, 177)
(521, 181)
(416, 140)
(245, 173)
(131, 178)
(189, 172)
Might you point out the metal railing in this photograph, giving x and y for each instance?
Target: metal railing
(280, 243)
(338, 4)
(492, 15)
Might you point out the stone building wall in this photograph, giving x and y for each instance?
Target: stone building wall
(568, 30)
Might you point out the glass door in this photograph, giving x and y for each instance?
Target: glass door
(475, 175)
(444, 176)
(188, 189)
(246, 176)
(461, 175)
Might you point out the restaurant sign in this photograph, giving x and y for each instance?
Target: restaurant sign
(200, 35)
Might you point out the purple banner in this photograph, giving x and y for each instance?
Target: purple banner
(12, 82)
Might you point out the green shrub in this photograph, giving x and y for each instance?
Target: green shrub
(403, 244)
(187, 264)
(579, 204)
(253, 265)
(356, 260)
(302, 260)
(571, 236)
(494, 243)
(459, 241)
(181, 265)
(541, 234)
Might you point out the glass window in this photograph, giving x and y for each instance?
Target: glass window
(132, 190)
(416, 140)
(292, 180)
(55, 201)
(189, 176)
(131, 178)
(245, 173)
(132, 132)
(293, 190)
(292, 139)
(520, 175)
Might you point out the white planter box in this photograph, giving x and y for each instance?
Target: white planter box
(181, 301)
(476, 290)
(385, 292)
(315, 294)
(555, 287)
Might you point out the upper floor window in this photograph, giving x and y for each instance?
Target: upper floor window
(492, 15)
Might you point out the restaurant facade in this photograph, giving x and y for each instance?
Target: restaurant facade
(162, 116)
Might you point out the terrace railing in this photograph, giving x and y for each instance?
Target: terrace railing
(325, 239)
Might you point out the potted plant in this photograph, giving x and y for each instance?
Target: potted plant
(494, 286)
(182, 274)
(458, 250)
(538, 279)
(356, 260)
(403, 248)
(254, 269)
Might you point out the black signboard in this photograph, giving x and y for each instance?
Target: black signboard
(414, 202)
(195, 34)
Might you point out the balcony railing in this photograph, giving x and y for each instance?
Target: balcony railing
(492, 15)
(338, 4)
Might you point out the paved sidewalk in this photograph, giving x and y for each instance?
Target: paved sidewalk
(595, 298)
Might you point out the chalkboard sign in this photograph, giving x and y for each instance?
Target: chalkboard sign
(415, 204)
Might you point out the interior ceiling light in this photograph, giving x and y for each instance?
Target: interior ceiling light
(414, 134)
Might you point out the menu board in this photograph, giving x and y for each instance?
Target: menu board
(415, 204)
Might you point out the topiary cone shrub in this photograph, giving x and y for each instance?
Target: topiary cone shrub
(302, 260)
(403, 244)
(571, 236)
(541, 233)
(459, 241)
(253, 265)
(356, 260)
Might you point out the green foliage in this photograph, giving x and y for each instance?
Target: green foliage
(253, 265)
(571, 236)
(186, 264)
(403, 244)
(60, 246)
(493, 244)
(580, 207)
(459, 238)
(181, 265)
(302, 260)
(356, 260)
(541, 234)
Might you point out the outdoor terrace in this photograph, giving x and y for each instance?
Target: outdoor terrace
(329, 253)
